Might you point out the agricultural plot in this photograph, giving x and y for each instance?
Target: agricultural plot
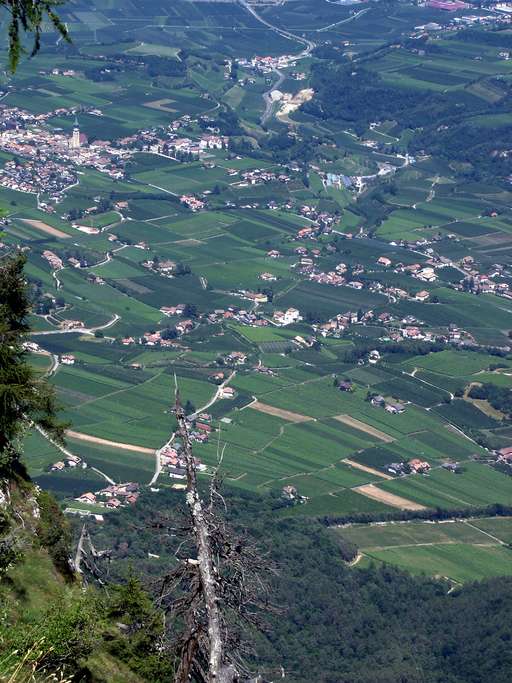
(294, 427)
(460, 551)
(477, 485)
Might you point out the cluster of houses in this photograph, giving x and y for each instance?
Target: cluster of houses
(70, 324)
(70, 461)
(255, 297)
(288, 317)
(164, 267)
(191, 202)
(173, 310)
(165, 142)
(267, 64)
(235, 358)
(239, 315)
(171, 456)
(33, 176)
(395, 408)
(49, 155)
(112, 497)
(159, 338)
(413, 466)
(491, 282)
(259, 176)
(290, 494)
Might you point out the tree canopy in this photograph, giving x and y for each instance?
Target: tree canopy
(29, 17)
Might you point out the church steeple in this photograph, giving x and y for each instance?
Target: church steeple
(75, 138)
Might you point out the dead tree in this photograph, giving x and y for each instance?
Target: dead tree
(215, 587)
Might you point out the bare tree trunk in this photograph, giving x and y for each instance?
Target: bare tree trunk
(218, 672)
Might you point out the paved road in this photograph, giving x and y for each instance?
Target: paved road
(81, 330)
(216, 397)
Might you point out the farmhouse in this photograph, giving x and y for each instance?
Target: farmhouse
(395, 408)
(427, 274)
(505, 454)
(292, 315)
(88, 498)
(236, 357)
(419, 466)
(268, 277)
(422, 296)
(384, 261)
(227, 392)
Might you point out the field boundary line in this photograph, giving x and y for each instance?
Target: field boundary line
(363, 427)
(371, 491)
(365, 468)
(280, 412)
(80, 436)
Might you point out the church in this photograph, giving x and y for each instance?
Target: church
(78, 139)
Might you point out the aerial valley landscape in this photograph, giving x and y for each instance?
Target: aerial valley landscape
(276, 235)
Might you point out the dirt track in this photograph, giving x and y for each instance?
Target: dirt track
(112, 444)
(279, 412)
(365, 468)
(363, 427)
(387, 498)
(44, 227)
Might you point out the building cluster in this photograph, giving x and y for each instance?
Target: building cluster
(55, 261)
(265, 65)
(159, 337)
(413, 466)
(259, 176)
(37, 175)
(239, 315)
(491, 282)
(164, 267)
(70, 461)
(192, 203)
(392, 407)
(288, 317)
(112, 497)
(172, 459)
(166, 142)
(49, 155)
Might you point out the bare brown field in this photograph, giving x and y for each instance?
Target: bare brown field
(160, 105)
(279, 412)
(363, 427)
(106, 442)
(44, 227)
(371, 491)
(365, 468)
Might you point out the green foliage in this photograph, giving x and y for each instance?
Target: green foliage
(499, 397)
(23, 397)
(343, 625)
(29, 16)
(53, 532)
(66, 632)
(139, 643)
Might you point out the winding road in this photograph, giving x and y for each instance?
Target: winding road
(309, 46)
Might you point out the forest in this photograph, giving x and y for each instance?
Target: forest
(333, 624)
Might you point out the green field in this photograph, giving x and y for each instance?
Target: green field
(461, 551)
